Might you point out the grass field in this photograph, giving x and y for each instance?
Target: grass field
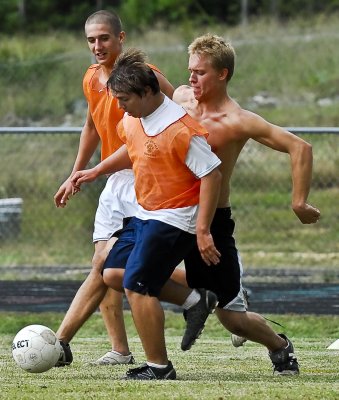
(211, 370)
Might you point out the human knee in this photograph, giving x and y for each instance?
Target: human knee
(113, 278)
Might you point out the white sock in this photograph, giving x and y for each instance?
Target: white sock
(156, 365)
(191, 300)
(119, 354)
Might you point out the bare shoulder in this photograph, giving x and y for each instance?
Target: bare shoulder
(252, 126)
(182, 94)
(248, 122)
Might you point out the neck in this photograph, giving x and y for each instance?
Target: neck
(155, 101)
(215, 101)
(106, 72)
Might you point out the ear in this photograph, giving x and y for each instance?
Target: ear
(122, 36)
(223, 74)
(148, 91)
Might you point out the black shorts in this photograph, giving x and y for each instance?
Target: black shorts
(224, 279)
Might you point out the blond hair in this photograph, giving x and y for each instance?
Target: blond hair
(220, 52)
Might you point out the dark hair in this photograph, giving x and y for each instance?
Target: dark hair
(131, 74)
(107, 18)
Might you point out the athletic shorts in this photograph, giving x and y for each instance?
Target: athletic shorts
(224, 279)
(117, 201)
(149, 251)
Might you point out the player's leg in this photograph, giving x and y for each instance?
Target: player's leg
(224, 279)
(117, 201)
(84, 304)
(108, 219)
(179, 275)
(111, 309)
(155, 244)
(253, 327)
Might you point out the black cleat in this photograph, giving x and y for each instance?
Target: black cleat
(147, 373)
(66, 356)
(284, 361)
(196, 317)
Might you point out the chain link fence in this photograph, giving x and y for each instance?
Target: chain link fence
(34, 162)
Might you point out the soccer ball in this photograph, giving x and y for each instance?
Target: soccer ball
(36, 348)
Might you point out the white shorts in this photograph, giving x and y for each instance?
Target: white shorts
(116, 202)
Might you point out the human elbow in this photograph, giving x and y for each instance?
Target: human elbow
(216, 176)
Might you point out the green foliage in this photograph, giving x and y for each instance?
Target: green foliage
(138, 14)
(40, 16)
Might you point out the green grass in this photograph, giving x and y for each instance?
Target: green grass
(212, 369)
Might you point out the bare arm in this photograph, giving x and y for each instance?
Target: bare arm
(209, 195)
(301, 156)
(165, 86)
(89, 141)
(115, 162)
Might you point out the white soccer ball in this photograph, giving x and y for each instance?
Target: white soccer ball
(36, 348)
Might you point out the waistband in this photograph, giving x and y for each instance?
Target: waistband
(225, 212)
(126, 172)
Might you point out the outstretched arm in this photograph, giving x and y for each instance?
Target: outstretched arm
(89, 141)
(115, 162)
(301, 156)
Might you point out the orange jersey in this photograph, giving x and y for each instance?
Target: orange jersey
(104, 110)
(162, 179)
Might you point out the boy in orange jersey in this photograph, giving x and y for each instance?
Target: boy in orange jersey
(105, 38)
(177, 187)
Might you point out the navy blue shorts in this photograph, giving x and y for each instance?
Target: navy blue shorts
(149, 251)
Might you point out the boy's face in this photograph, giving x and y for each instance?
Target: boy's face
(132, 103)
(103, 43)
(204, 78)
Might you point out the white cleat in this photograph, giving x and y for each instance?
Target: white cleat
(114, 358)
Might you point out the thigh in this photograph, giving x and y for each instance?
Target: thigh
(224, 279)
(120, 252)
(159, 247)
(116, 202)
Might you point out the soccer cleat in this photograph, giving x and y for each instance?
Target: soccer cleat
(66, 356)
(238, 341)
(196, 317)
(284, 361)
(147, 373)
(114, 358)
